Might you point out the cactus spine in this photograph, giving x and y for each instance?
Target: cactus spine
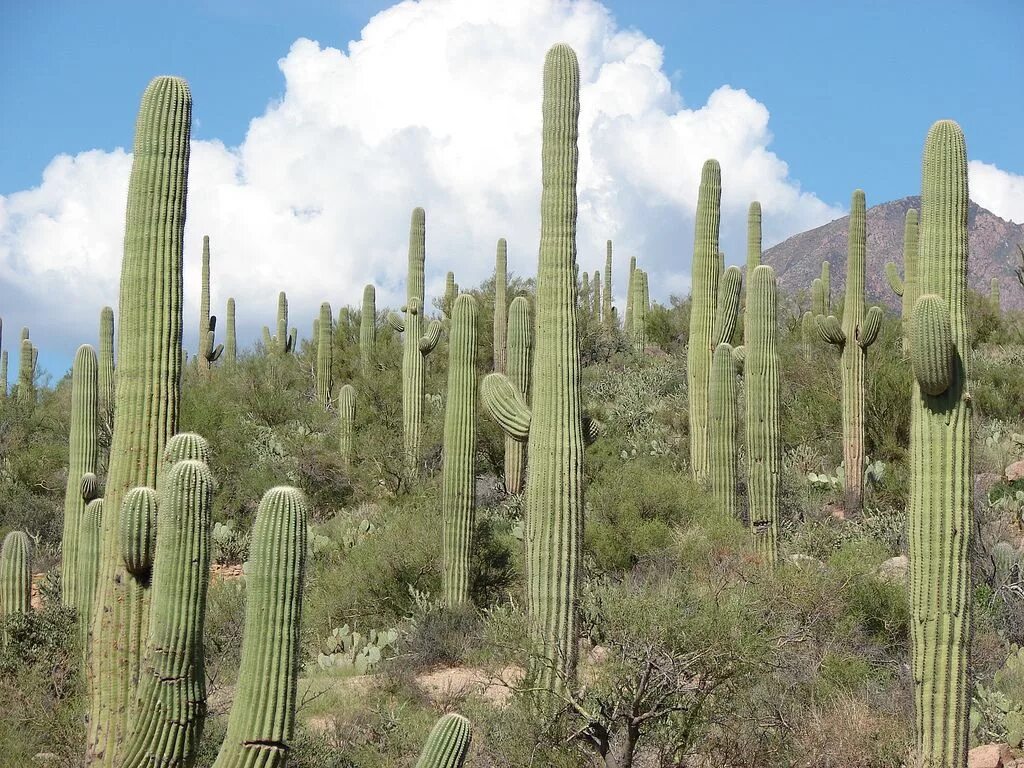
(89, 533)
(763, 429)
(940, 515)
(520, 353)
(15, 574)
(907, 285)
(417, 343)
(262, 719)
(639, 322)
(208, 354)
(324, 357)
(628, 319)
(458, 500)
(170, 705)
(722, 429)
(106, 364)
(753, 255)
(346, 422)
(606, 299)
(447, 744)
(857, 332)
(500, 306)
(230, 340)
(368, 330)
(148, 390)
(704, 295)
(83, 452)
(283, 342)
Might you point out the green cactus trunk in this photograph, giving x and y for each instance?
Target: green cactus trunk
(940, 515)
(262, 719)
(368, 330)
(639, 322)
(595, 295)
(451, 290)
(89, 536)
(26, 372)
(106, 365)
(230, 340)
(447, 744)
(3, 375)
(857, 332)
(148, 392)
(346, 422)
(704, 297)
(15, 575)
(993, 294)
(83, 454)
(458, 496)
(170, 706)
(500, 306)
(520, 356)
(763, 428)
(722, 429)
(208, 354)
(753, 255)
(606, 299)
(324, 357)
(627, 327)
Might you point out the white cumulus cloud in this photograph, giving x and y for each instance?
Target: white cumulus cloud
(1000, 191)
(437, 104)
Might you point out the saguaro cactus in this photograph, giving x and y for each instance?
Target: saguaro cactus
(707, 267)
(89, 533)
(500, 305)
(208, 354)
(346, 422)
(368, 330)
(417, 343)
(447, 743)
(283, 342)
(83, 452)
(148, 390)
(520, 355)
(907, 285)
(595, 296)
(451, 290)
(262, 719)
(857, 332)
(761, 385)
(606, 299)
(639, 322)
(230, 340)
(106, 364)
(940, 516)
(554, 484)
(26, 372)
(753, 254)
(627, 326)
(993, 294)
(15, 574)
(722, 432)
(324, 357)
(170, 704)
(458, 499)
(3, 375)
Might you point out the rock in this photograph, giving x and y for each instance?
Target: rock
(895, 569)
(835, 511)
(989, 756)
(1015, 471)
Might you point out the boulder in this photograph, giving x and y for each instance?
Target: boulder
(895, 569)
(1015, 471)
(989, 756)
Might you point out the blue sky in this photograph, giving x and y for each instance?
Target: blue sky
(308, 156)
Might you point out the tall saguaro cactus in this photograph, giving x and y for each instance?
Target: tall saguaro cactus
(907, 285)
(606, 299)
(458, 495)
(346, 422)
(417, 342)
(262, 719)
(208, 354)
(26, 372)
(554, 484)
(283, 342)
(853, 336)
(763, 429)
(324, 357)
(639, 321)
(519, 357)
(500, 305)
(753, 254)
(451, 291)
(704, 294)
(368, 330)
(722, 429)
(83, 453)
(940, 515)
(148, 390)
(230, 340)
(106, 364)
(627, 325)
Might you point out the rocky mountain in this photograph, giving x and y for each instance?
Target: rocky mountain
(992, 242)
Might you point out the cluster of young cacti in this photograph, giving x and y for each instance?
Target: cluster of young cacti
(285, 341)
(208, 353)
(940, 513)
(857, 331)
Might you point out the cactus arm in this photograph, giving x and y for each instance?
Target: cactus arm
(868, 332)
(932, 352)
(892, 276)
(830, 330)
(728, 306)
(739, 357)
(268, 341)
(396, 322)
(138, 531)
(592, 429)
(293, 341)
(722, 432)
(430, 338)
(506, 405)
(519, 346)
